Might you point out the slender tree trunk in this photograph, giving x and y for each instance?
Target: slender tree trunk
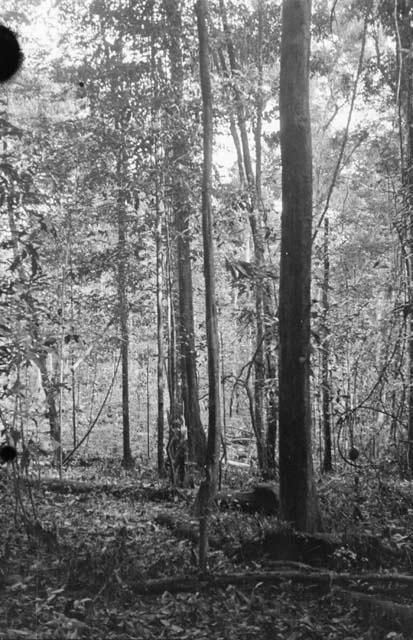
(127, 460)
(60, 356)
(50, 388)
(222, 66)
(160, 340)
(325, 354)
(72, 328)
(181, 154)
(263, 299)
(122, 251)
(174, 383)
(209, 486)
(297, 496)
(73, 390)
(272, 384)
(256, 230)
(160, 307)
(237, 145)
(259, 383)
(175, 432)
(259, 108)
(148, 407)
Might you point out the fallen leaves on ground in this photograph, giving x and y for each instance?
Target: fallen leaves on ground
(71, 576)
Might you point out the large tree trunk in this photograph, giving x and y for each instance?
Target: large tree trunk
(181, 153)
(298, 503)
(404, 41)
(209, 486)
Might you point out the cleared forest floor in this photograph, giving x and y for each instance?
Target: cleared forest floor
(85, 568)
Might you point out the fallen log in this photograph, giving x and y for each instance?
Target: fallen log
(154, 494)
(177, 584)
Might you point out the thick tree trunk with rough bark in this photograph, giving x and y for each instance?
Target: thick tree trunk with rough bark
(298, 503)
(404, 41)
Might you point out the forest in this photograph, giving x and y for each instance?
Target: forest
(206, 319)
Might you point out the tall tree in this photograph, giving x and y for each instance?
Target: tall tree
(404, 29)
(159, 248)
(180, 188)
(122, 258)
(325, 353)
(266, 368)
(209, 486)
(298, 503)
(253, 185)
(160, 341)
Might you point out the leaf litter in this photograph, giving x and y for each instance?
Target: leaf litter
(74, 577)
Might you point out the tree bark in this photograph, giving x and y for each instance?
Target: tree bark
(325, 354)
(182, 209)
(127, 460)
(174, 379)
(209, 486)
(271, 373)
(259, 107)
(404, 72)
(298, 502)
(160, 341)
(160, 259)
